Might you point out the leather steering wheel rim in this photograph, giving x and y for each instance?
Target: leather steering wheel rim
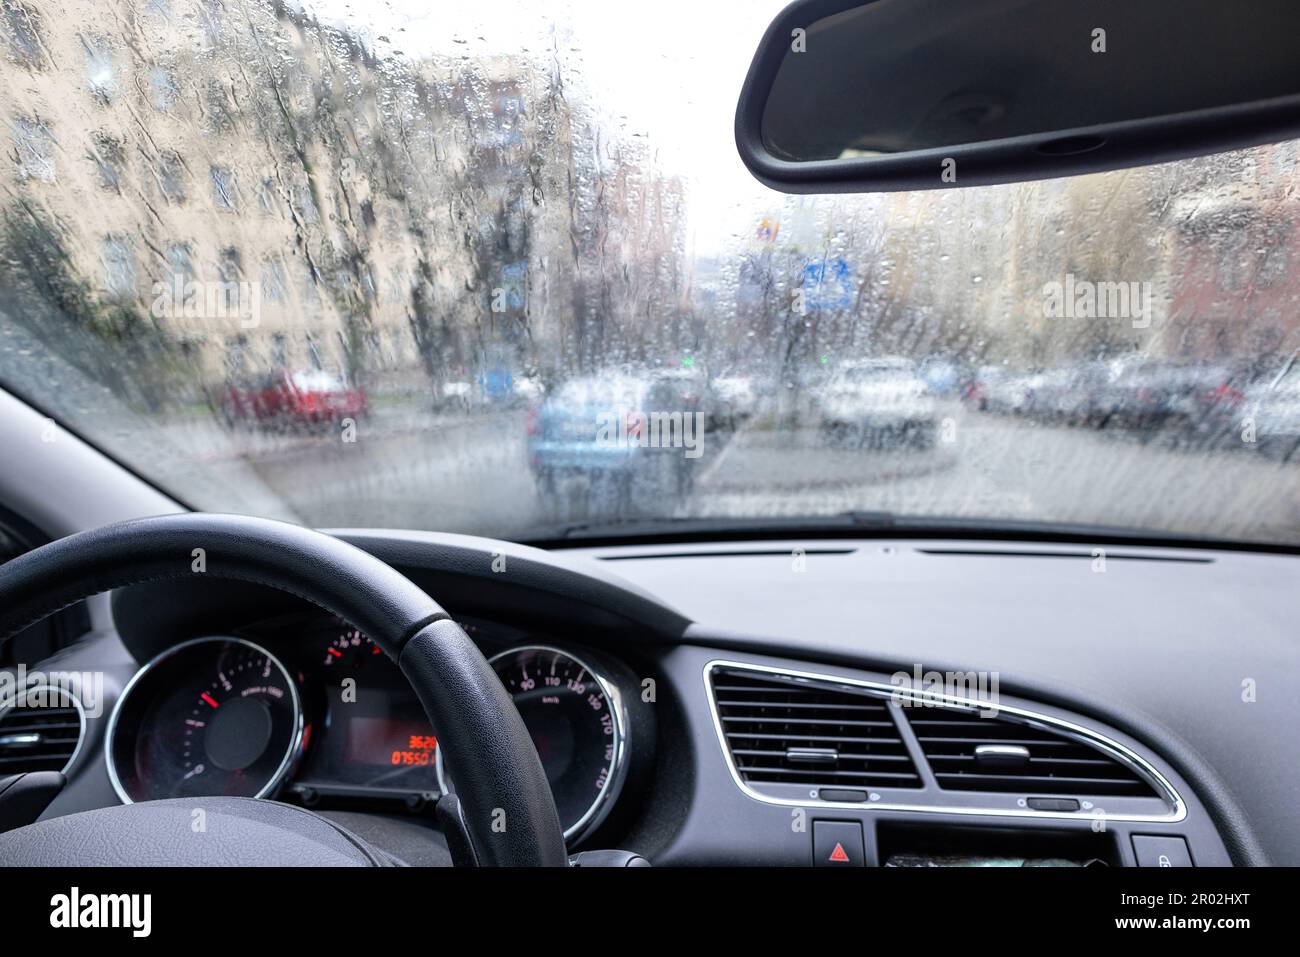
(505, 799)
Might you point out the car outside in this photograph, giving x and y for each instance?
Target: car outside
(878, 403)
(285, 400)
(1013, 393)
(1275, 411)
(942, 376)
(592, 430)
(734, 399)
(975, 389)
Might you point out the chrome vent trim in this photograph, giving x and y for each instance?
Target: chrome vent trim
(966, 752)
(1163, 788)
(810, 735)
(51, 726)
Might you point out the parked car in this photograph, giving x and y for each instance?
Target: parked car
(1012, 394)
(623, 435)
(941, 376)
(453, 395)
(306, 399)
(1275, 409)
(974, 391)
(529, 389)
(878, 403)
(1215, 401)
(1140, 397)
(733, 400)
(1086, 402)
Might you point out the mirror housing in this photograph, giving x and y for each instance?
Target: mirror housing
(885, 95)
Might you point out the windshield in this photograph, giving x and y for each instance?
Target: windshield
(497, 268)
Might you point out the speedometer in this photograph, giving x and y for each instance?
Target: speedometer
(213, 716)
(576, 720)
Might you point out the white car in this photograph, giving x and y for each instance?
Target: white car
(734, 399)
(878, 402)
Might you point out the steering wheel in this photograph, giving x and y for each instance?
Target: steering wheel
(508, 814)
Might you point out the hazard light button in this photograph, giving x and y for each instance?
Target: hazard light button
(838, 844)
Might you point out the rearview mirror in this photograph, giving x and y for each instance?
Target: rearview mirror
(853, 96)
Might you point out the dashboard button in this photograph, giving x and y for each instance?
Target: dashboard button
(838, 844)
(1053, 804)
(1161, 851)
(843, 795)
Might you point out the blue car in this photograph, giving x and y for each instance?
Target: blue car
(622, 436)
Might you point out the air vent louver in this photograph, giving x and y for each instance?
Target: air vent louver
(41, 735)
(795, 732)
(1016, 757)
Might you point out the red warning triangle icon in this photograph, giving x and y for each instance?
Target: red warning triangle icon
(838, 855)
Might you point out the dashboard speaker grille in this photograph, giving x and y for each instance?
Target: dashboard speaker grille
(41, 734)
(787, 731)
(968, 752)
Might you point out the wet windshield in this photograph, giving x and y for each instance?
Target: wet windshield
(496, 267)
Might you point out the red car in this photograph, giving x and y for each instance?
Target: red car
(287, 399)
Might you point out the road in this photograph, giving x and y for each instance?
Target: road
(1017, 469)
(471, 474)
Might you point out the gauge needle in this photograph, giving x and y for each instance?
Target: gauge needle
(208, 698)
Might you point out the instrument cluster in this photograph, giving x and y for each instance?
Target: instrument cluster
(309, 709)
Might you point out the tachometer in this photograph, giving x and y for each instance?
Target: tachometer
(576, 719)
(213, 716)
(350, 650)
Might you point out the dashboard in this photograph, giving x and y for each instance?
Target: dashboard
(308, 709)
(702, 704)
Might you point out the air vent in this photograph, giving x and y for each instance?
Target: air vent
(968, 752)
(787, 731)
(41, 734)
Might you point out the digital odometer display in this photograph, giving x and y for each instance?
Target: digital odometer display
(214, 716)
(377, 737)
(574, 719)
